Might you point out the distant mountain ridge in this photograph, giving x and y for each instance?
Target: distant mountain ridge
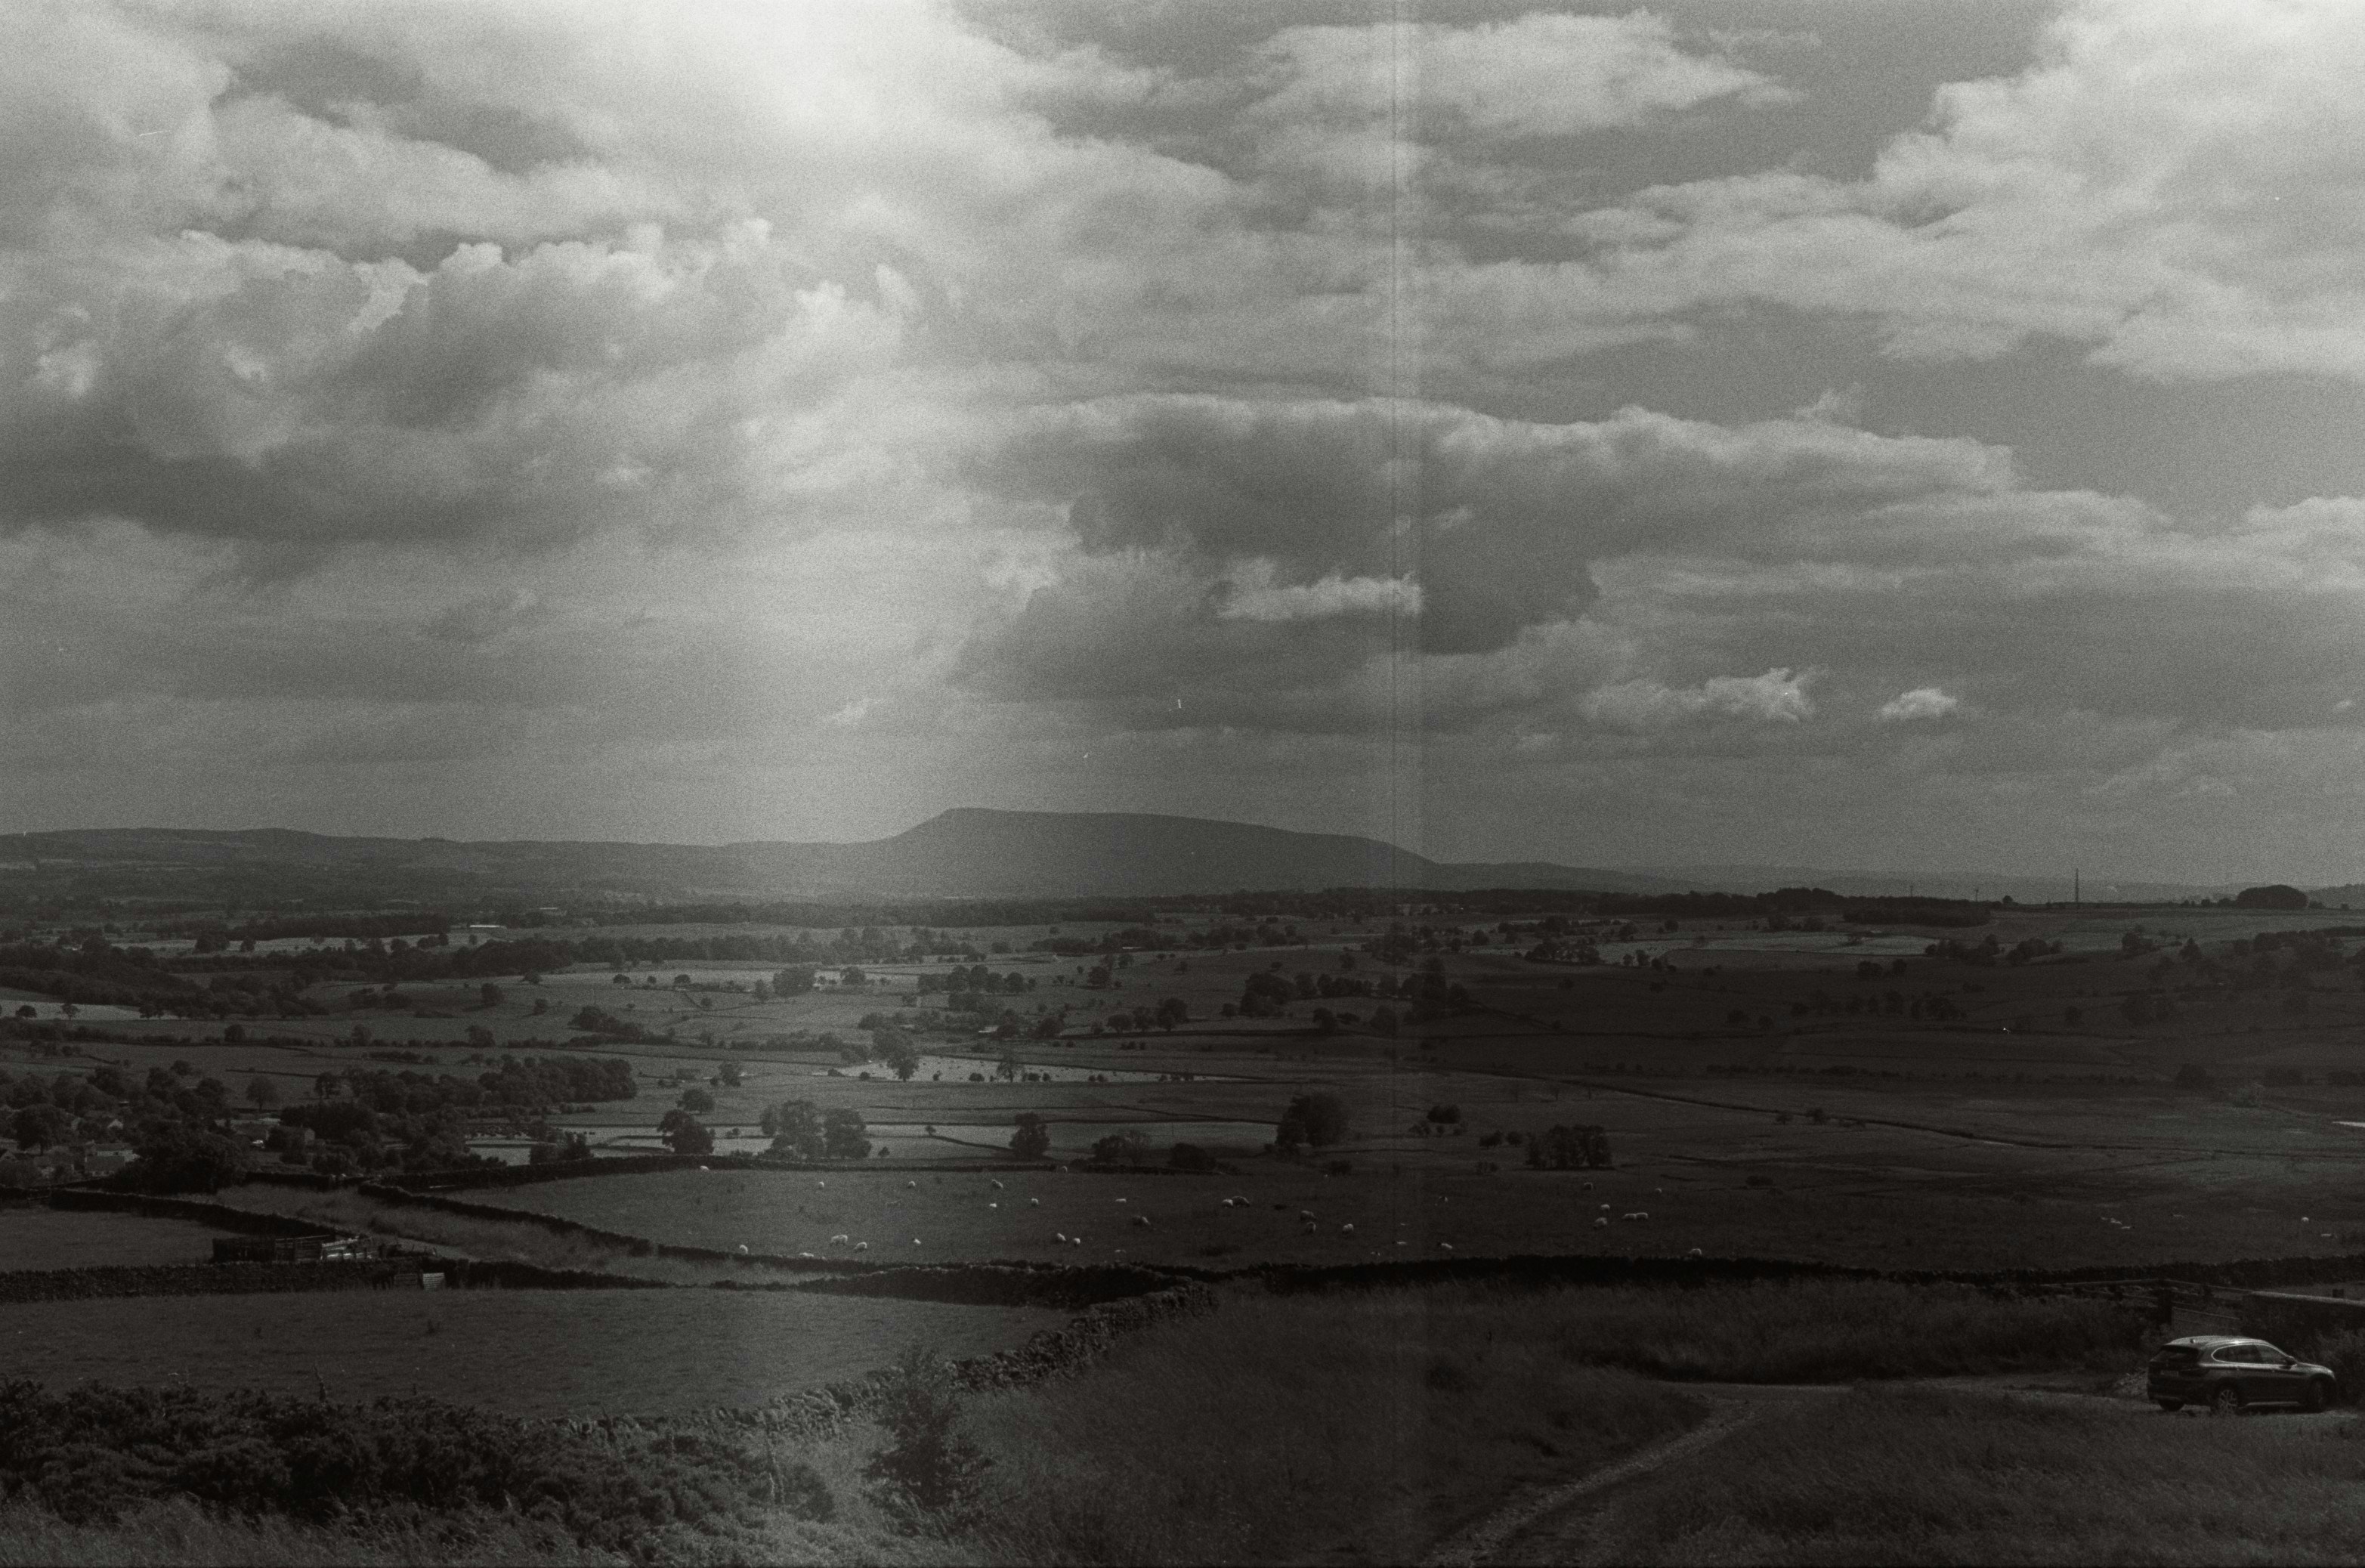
(968, 852)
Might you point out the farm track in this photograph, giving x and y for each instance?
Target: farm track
(1549, 1525)
(1540, 1525)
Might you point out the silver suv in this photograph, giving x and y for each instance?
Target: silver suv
(2228, 1372)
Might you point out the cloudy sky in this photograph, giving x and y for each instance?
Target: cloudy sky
(1867, 433)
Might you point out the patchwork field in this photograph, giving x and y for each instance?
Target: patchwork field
(527, 1352)
(37, 1237)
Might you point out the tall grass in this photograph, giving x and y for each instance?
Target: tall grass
(1921, 1476)
(1355, 1427)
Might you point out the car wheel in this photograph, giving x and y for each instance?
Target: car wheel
(2227, 1401)
(2319, 1394)
(2170, 1406)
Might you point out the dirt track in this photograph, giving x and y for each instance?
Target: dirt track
(1548, 1525)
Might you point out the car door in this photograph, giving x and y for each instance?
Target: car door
(2279, 1378)
(2241, 1369)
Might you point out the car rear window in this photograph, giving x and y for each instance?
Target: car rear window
(2176, 1356)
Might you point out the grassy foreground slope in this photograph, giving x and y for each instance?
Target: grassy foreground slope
(1919, 1476)
(1352, 1427)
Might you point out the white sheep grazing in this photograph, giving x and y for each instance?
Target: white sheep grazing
(997, 1186)
(910, 1184)
(1141, 1221)
(862, 1247)
(1347, 1229)
(1638, 1213)
(1120, 1200)
(1034, 1203)
(1605, 1208)
(840, 1239)
(915, 1241)
(1446, 1246)
(743, 1250)
(1060, 1237)
(1305, 1213)
(821, 1184)
(1602, 1223)
(1695, 1252)
(1075, 1241)
(993, 1206)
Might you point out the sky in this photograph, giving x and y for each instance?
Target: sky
(1848, 432)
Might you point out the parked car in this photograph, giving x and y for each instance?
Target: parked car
(2229, 1373)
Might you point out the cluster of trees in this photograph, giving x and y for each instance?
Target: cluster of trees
(1585, 1147)
(368, 1118)
(799, 1130)
(1318, 1119)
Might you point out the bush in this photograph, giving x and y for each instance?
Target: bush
(1032, 1139)
(1189, 1157)
(928, 1469)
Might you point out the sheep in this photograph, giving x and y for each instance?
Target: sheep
(1305, 1213)
(1445, 1246)
(1141, 1221)
(997, 1186)
(862, 1247)
(1605, 1208)
(743, 1250)
(821, 1184)
(1075, 1241)
(1120, 1200)
(840, 1239)
(910, 1184)
(1638, 1213)
(1060, 1237)
(1695, 1252)
(1034, 1203)
(1312, 1228)
(915, 1241)
(1347, 1229)
(1602, 1223)
(993, 1206)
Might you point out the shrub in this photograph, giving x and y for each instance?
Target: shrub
(1189, 1157)
(1031, 1140)
(927, 1470)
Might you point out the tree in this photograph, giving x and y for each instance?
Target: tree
(795, 1127)
(1009, 1066)
(792, 982)
(928, 1469)
(730, 1074)
(843, 1135)
(1126, 1147)
(1032, 1140)
(1384, 1021)
(184, 1159)
(1318, 1119)
(489, 994)
(38, 1126)
(261, 1093)
(2274, 895)
(895, 1047)
(684, 1135)
(1172, 1011)
(697, 1101)
(479, 1037)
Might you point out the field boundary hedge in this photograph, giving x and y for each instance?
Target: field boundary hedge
(1051, 1353)
(646, 1164)
(19, 1285)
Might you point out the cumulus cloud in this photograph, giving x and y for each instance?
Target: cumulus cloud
(1260, 599)
(1778, 696)
(1922, 702)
